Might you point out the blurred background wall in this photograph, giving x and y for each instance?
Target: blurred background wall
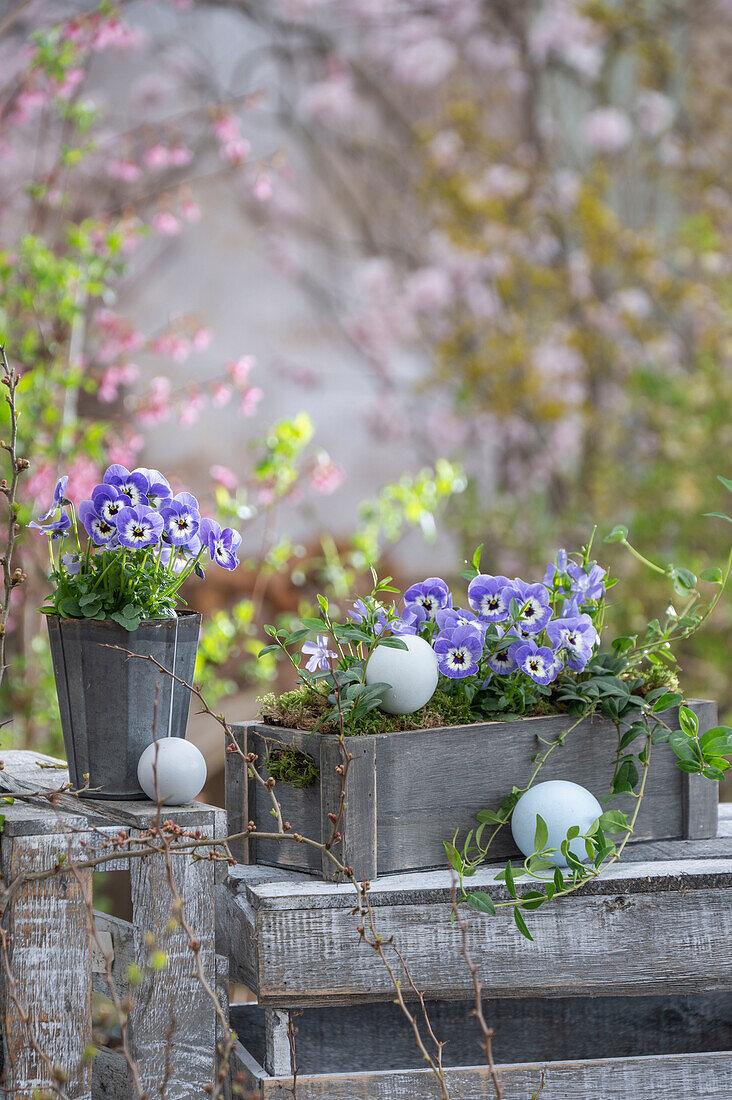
(377, 281)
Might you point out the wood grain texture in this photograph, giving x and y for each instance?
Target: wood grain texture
(299, 806)
(430, 782)
(172, 999)
(663, 927)
(50, 959)
(692, 1076)
(237, 801)
(357, 827)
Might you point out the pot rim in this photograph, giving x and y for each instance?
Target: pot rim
(182, 612)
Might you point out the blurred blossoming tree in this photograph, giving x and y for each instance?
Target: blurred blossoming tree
(527, 196)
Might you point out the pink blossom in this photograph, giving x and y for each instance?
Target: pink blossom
(166, 224)
(225, 477)
(113, 32)
(72, 79)
(226, 128)
(236, 151)
(240, 369)
(331, 101)
(191, 408)
(221, 394)
(326, 476)
(426, 63)
(250, 400)
(155, 406)
(427, 290)
(607, 130)
(201, 338)
(125, 170)
(157, 156)
(179, 156)
(83, 476)
(655, 112)
(445, 148)
(262, 189)
(190, 210)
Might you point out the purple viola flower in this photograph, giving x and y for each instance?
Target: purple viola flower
(133, 484)
(555, 568)
(448, 618)
(59, 498)
(458, 652)
(181, 519)
(96, 526)
(587, 586)
(490, 597)
(320, 655)
(222, 544)
(139, 526)
(158, 490)
(538, 662)
(535, 609)
(504, 661)
(360, 612)
(57, 528)
(108, 502)
(577, 636)
(411, 620)
(71, 563)
(431, 595)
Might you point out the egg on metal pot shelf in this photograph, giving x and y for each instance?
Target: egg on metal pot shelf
(180, 769)
(411, 672)
(561, 804)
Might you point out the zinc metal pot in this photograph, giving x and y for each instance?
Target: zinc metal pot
(107, 700)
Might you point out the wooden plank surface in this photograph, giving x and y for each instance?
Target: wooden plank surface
(663, 925)
(173, 1022)
(357, 827)
(50, 960)
(365, 1037)
(432, 781)
(692, 1076)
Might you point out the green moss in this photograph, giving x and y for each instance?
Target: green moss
(290, 765)
(656, 676)
(304, 708)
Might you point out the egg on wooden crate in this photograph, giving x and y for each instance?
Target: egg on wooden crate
(411, 673)
(179, 767)
(561, 804)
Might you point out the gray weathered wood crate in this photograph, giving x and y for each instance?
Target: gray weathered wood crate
(614, 1048)
(626, 993)
(409, 791)
(659, 922)
(53, 951)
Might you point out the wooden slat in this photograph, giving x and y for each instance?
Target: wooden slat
(237, 802)
(357, 827)
(173, 997)
(663, 926)
(50, 959)
(365, 1037)
(692, 1076)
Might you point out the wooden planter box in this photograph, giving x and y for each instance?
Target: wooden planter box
(409, 791)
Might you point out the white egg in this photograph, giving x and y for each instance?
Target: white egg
(179, 767)
(411, 672)
(561, 804)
